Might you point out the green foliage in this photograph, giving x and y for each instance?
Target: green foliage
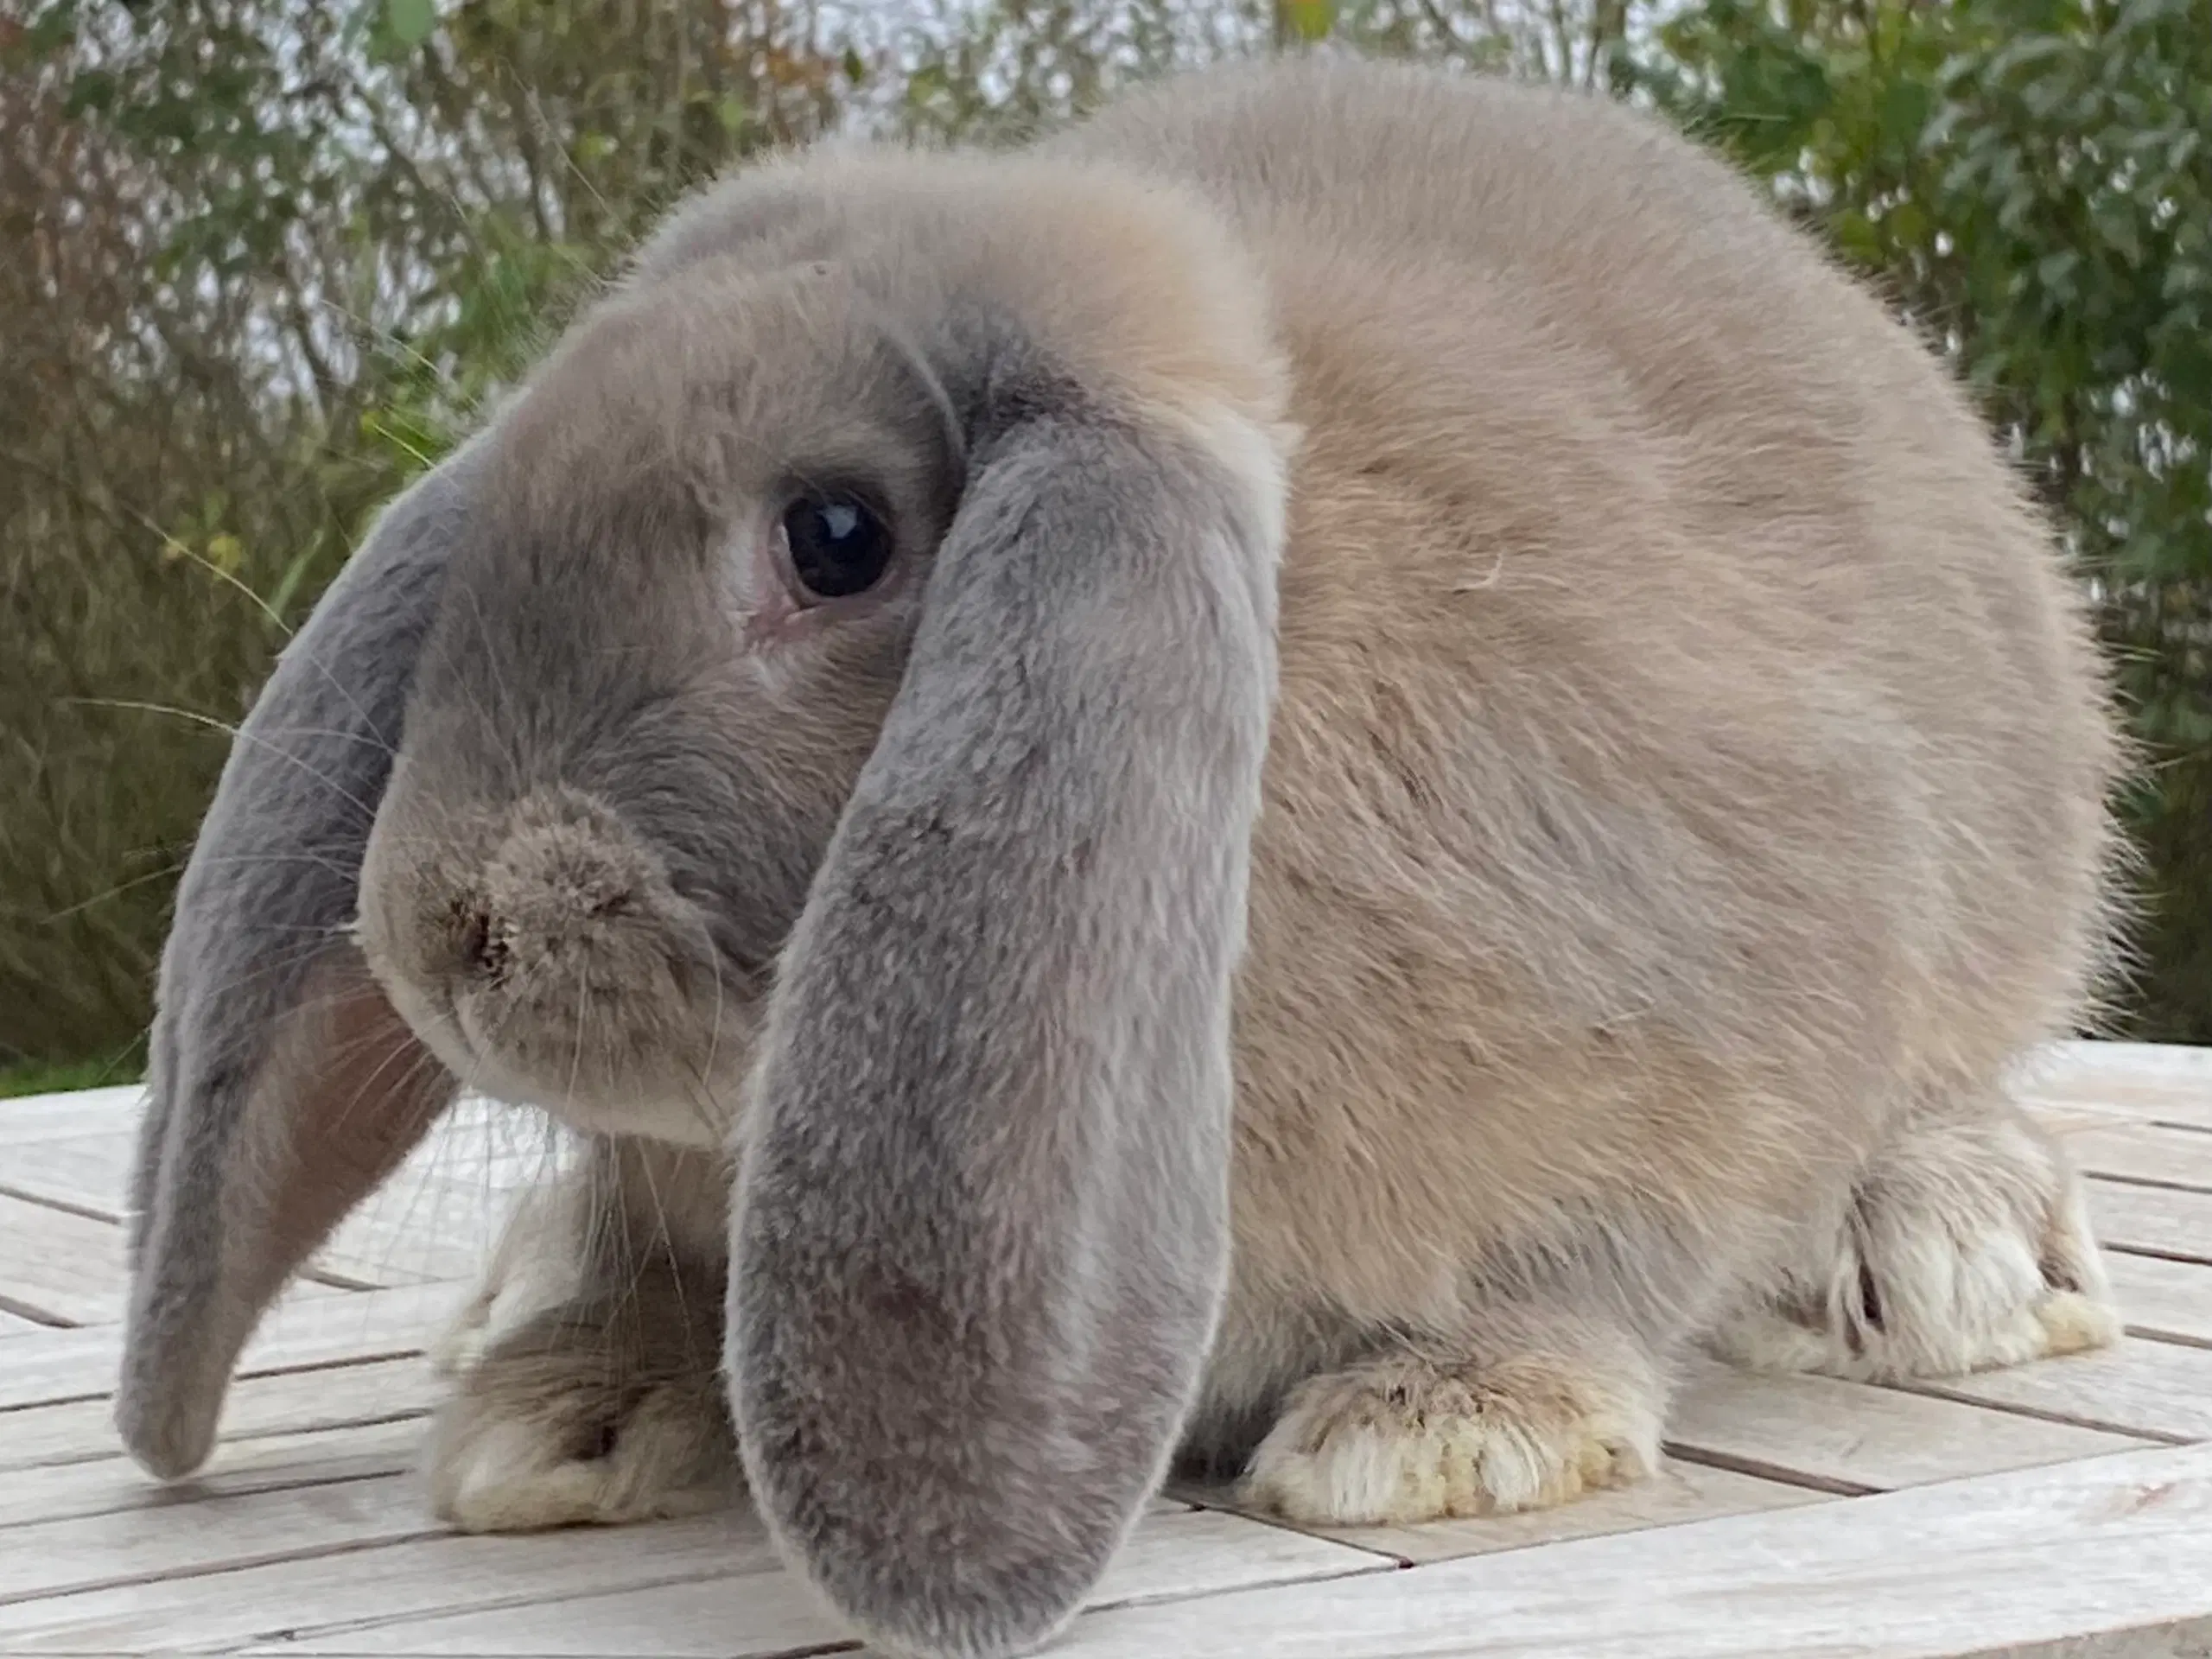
(267, 261)
(37, 1078)
(998, 71)
(273, 258)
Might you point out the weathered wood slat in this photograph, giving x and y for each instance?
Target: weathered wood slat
(58, 1265)
(1680, 1491)
(392, 1581)
(436, 1218)
(48, 1558)
(2156, 1221)
(311, 1327)
(2165, 1299)
(1170, 1559)
(106, 1486)
(724, 1618)
(357, 1598)
(2158, 1389)
(82, 1111)
(419, 1228)
(1850, 1437)
(2148, 1154)
(2082, 1106)
(2082, 1554)
(2105, 1058)
(2151, 1082)
(2027, 1521)
(287, 1403)
(90, 1173)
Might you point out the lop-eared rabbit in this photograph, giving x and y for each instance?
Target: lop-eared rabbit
(1311, 778)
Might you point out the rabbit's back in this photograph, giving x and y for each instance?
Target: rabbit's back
(1690, 751)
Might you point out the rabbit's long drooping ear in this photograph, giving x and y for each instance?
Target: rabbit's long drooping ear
(283, 1087)
(981, 1226)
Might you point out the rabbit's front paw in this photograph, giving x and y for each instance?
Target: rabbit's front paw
(555, 1427)
(507, 1298)
(534, 1270)
(1966, 1248)
(1404, 1440)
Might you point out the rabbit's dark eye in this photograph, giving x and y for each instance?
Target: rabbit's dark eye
(838, 546)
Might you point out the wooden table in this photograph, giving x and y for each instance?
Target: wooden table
(2061, 1509)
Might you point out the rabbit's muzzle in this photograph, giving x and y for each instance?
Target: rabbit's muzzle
(540, 951)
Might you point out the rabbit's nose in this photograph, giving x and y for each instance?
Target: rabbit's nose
(482, 945)
(567, 880)
(543, 949)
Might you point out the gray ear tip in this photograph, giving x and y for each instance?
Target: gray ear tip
(176, 1366)
(1002, 1597)
(167, 1436)
(986, 1617)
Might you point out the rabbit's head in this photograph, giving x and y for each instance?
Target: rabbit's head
(822, 714)
(658, 665)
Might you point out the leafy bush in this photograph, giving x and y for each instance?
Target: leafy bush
(266, 261)
(276, 257)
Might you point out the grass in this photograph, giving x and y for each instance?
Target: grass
(41, 1077)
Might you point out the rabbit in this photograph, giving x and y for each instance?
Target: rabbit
(1300, 784)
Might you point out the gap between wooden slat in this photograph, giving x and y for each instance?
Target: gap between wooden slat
(112, 1450)
(1825, 1430)
(229, 1564)
(2082, 1390)
(2195, 1189)
(315, 1274)
(1761, 1469)
(2085, 1555)
(237, 1563)
(289, 1367)
(446, 1573)
(1680, 1491)
(290, 1639)
(2149, 1254)
(2162, 1299)
(2047, 1414)
(2151, 1220)
(303, 1333)
(33, 1315)
(157, 1499)
(434, 1219)
(1218, 1497)
(2142, 1154)
(104, 1484)
(2171, 1338)
(49, 1201)
(1179, 1560)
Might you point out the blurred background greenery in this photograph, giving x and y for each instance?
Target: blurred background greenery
(264, 258)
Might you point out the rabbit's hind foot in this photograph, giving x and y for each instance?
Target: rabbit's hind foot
(1966, 1247)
